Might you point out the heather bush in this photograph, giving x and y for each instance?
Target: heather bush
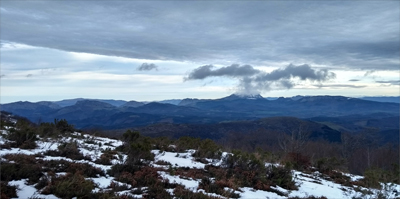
(106, 158)
(212, 187)
(7, 191)
(68, 150)
(118, 169)
(86, 169)
(18, 171)
(182, 193)
(157, 191)
(69, 186)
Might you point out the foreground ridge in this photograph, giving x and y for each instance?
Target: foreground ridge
(55, 161)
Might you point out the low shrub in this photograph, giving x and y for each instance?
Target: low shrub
(191, 173)
(69, 186)
(297, 161)
(117, 169)
(105, 159)
(127, 178)
(63, 126)
(17, 171)
(116, 187)
(218, 188)
(146, 176)
(7, 191)
(68, 150)
(281, 176)
(162, 162)
(339, 178)
(71, 167)
(182, 193)
(24, 137)
(325, 165)
(157, 190)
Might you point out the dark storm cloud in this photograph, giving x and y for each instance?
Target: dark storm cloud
(354, 34)
(146, 67)
(391, 82)
(253, 81)
(367, 55)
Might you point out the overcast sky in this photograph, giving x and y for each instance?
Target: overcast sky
(155, 50)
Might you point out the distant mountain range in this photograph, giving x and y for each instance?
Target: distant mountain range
(114, 114)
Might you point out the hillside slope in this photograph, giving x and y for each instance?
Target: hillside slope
(73, 164)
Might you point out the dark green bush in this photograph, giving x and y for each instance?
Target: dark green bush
(184, 143)
(328, 164)
(208, 149)
(137, 148)
(281, 176)
(23, 137)
(105, 158)
(18, 171)
(117, 169)
(68, 150)
(69, 186)
(63, 126)
(48, 130)
(373, 177)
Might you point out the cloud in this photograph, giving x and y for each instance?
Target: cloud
(254, 32)
(304, 72)
(253, 81)
(339, 86)
(368, 73)
(29, 75)
(391, 82)
(147, 67)
(354, 80)
(234, 70)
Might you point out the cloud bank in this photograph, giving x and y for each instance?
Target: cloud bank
(253, 81)
(350, 34)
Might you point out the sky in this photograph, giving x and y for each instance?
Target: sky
(156, 50)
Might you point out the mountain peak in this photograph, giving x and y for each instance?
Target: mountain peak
(243, 96)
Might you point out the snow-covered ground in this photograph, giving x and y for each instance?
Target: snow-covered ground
(91, 146)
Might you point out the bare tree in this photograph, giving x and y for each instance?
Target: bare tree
(295, 139)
